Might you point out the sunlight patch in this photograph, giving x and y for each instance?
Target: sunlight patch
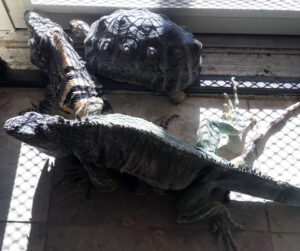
(30, 165)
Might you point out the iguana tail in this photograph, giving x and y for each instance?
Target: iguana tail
(249, 181)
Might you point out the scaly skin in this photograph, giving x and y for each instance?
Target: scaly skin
(71, 91)
(79, 28)
(139, 148)
(140, 47)
(231, 123)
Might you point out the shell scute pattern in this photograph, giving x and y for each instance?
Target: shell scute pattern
(141, 47)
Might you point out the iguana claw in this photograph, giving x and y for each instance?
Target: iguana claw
(221, 226)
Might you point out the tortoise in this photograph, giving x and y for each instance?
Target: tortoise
(141, 47)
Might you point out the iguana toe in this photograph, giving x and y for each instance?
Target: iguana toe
(221, 226)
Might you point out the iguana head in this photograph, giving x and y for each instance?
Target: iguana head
(79, 28)
(44, 35)
(39, 130)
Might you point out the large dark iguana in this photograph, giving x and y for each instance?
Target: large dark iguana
(71, 91)
(115, 142)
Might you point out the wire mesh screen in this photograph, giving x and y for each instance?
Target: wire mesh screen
(16, 237)
(31, 164)
(193, 4)
(214, 84)
(291, 84)
(280, 157)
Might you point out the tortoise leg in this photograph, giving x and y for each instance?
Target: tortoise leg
(176, 97)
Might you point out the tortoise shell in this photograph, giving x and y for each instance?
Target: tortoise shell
(141, 47)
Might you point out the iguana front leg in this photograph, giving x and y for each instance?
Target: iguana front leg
(231, 123)
(195, 206)
(222, 224)
(101, 178)
(49, 105)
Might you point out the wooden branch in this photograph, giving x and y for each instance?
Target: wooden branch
(255, 148)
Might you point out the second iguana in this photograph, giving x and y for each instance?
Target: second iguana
(71, 91)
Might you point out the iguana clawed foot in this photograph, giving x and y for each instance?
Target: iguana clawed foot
(221, 226)
(221, 221)
(231, 113)
(231, 123)
(165, 121)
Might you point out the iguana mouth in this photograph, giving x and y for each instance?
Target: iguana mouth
(42, 31)
(22, 127)
(21, 132)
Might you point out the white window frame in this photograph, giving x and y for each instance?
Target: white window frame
(197, 20)
(5, 21)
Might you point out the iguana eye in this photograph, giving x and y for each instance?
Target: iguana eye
(151, 52)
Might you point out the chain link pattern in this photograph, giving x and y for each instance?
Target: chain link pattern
(287, 5)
